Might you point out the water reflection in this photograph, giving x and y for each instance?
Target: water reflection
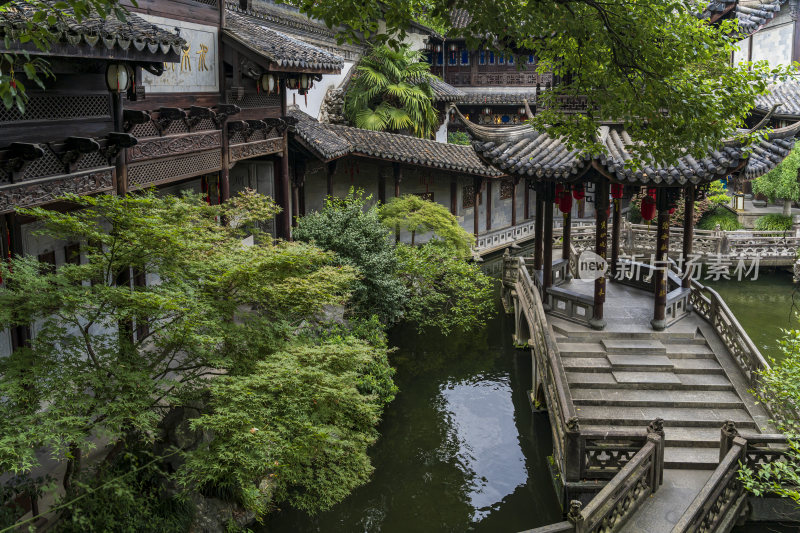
(459, 450)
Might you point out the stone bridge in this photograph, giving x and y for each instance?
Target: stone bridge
(649, 427)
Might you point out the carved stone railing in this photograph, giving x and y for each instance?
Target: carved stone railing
(504, 236)
(641, 276)
(623, 495)
(719, 504)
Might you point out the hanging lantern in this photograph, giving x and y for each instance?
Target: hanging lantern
(671, 210)
(648, 208)
(487, 110)
(616, 191)
(565, 202)
(292, 83)
(651, 192)
(521, 111)
(269, 83)
(559, 190)
(578, 192)
(305, 82)
(438, 48)
(118, 77)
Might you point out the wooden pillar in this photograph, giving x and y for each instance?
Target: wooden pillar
(454, 197)
(284, 230)
(662, 247)
(539, 230)
(601, 244)
(615, 233)
(121, 167)
(12, 237)
(381, 186)
(527, 204)
(330, 170)
(688, 233)
(398, 177)
(514, 183)
(297, 183)
(566, 238)
(476, 198)
(488, 204)
(547, 259)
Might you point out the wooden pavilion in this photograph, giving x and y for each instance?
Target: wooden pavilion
(548, 166)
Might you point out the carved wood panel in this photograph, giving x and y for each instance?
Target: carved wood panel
(173, 145)
(255, 149)
(42, 191)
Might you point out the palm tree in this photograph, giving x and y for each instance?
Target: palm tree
(391, 92)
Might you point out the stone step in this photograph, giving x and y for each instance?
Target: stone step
(684, 382)
(640, 362)
(697, 366)
(691, 458)
(677, 436)
(657, 398)
(586, 364)
(699, 340)
(633, 378)
(634, 346)
(673, 416)
(689, 351)
(577, 332)
(581, 349)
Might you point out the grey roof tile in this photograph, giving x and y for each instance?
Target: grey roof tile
(95, 31)
(278, 48)
(786, 93)
(751, 15)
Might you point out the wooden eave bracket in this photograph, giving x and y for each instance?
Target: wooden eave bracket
(223, 111)
(290, 122)
(74, 149)
(196, 114)
(276, 124)
(131, 118)
(166, 116)
(20, 155)
(116, 143)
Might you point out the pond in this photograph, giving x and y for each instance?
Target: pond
(460, 449)
(763, 307)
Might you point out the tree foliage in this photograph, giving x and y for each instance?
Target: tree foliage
(391, 92)
(37, 31)
(419, 217)
(108, 359)
(781, 182)
(431, 285)
(780, 388)
(629, 61)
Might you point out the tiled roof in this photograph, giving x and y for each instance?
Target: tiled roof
(278, 48)
(459, 18)
(444, 92)
(318, 137)
(331, 141)
(787, 94)
(498, 95)
(751, 14)
(525, 152)
(94, 31)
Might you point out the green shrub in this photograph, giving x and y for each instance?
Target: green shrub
(726, 219)
(458, 137)
(773, 222)
(716, 194)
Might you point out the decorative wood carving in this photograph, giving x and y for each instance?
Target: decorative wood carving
(254, 149)
(36, 192)
(175, 144)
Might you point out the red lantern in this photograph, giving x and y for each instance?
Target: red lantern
(559, 190)
(565, 202)
(616, 191)
(648, 208)
(651, 193)
(577, 192)
(671, 210)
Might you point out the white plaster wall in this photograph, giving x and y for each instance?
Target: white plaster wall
(5, 343)
(774, 44)
(441, 133)
(742, 52)
(317, 93)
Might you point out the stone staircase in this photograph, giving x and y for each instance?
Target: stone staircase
(628, 376)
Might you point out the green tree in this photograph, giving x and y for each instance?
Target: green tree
(780, 389)
(391, 92)
(655, 65)
(44, 15)
(418, 216)
(780, 183)
(109, 360)
(354, 232)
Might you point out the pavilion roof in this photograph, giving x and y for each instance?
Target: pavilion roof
(109, 37)
(329, 141)
(520, 150)
(282, 51)
(786, 94)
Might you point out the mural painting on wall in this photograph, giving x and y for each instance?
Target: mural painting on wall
(197, 69)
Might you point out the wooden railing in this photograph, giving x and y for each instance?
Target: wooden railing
(719, 503)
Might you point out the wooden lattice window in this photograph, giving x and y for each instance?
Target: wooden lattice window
(425, 195)
(506, 189)
(468, 198)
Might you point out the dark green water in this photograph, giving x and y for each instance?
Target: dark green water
(763, 307)
(459, 450)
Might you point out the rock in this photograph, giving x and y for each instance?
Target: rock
(213, 515)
